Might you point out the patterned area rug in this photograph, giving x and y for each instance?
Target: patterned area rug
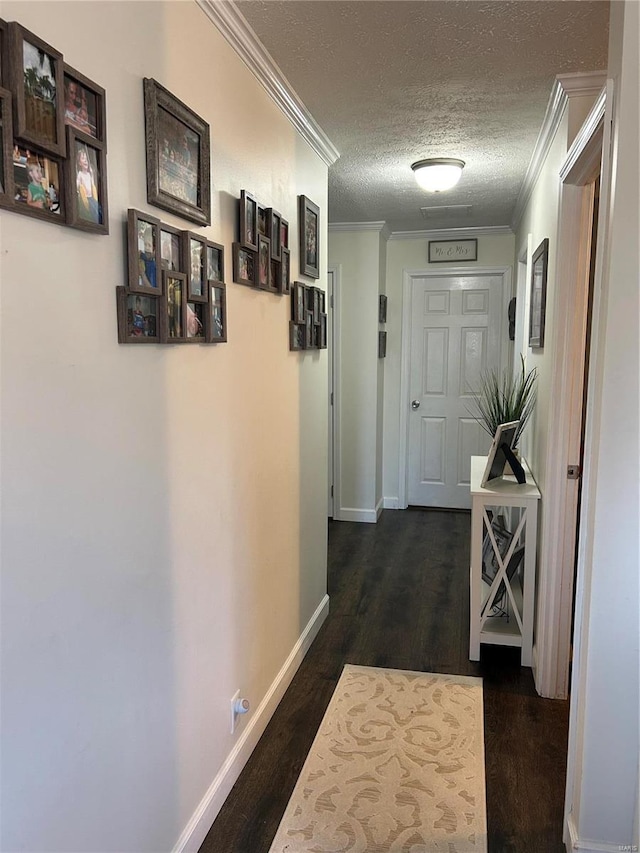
(397, 766)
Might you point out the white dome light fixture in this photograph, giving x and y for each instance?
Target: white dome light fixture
(438, 173)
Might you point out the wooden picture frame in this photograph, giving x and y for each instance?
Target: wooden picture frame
(137, 322)
(7, 189)
(217, 325)
(263, 263)
(274, 275)
(36, 74)
(308, 329)
(297, 336)
(262, 220)
(86, 184)
(309, 227)
(382, 344)
(143, 252)
(194, 264)
(178, 161)
(244, 265)
(284, 284)
(38, 185)
(195, 322)
(284, 233)
(538, 295)
(214, 261)
(4, 54)
(298, 302)
(171, 248)
(382, 308)
(85, 107)
(248, 221)
(274, 233)
(323, 331)
(174, 306)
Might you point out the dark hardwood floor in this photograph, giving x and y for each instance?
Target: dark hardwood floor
(399, 594)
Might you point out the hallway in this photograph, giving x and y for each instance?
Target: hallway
(399, 598)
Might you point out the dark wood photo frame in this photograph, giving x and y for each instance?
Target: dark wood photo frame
(85, 107)
(178, 162)
(284, 284)
(274, 233)
(143, 252)
(7, 190)
(244, 265)
(86, 184)
(263, 263)
(248, 221)
(134, 325)
(38, 185)
(214, 263)
(217, 325)
(297, 336)
(171, 248)
(195, 321)
(174, 306)
(538, 295)
(194, 263)
(37, 81)
(298, 302)
(309, 227)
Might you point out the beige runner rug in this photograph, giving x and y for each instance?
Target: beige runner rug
(397, 766)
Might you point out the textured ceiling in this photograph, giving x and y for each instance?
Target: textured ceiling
(391, 82)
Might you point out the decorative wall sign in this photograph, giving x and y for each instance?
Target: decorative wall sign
(538, 299)
(178, 155)
(452, 251)
(309, 225)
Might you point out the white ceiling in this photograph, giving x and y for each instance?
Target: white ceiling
(391, 82)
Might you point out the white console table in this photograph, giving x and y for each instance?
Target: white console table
(504, 520)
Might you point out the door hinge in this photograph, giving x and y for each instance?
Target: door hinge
(573, 472)
(332, 398)
(331, 300)
(331, 491)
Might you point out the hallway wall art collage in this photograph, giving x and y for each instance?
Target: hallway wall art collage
(53, 135)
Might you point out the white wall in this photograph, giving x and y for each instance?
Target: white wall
(411, 254)
(602, 790)
(163, 508)
(358, 254)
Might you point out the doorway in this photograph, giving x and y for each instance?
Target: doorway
(454, 328)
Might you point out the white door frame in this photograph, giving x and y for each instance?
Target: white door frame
(334, 338)
(405, 364)
(552, 651)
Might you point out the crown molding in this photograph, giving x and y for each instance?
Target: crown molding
(226, 16)
(357, 226)
(453, 233)
(565, 86)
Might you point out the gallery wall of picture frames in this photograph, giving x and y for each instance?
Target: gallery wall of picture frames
(261, 257)
(175, 291)
(53, 135)
(308, 324)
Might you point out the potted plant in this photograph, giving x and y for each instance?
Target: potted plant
(505, 397)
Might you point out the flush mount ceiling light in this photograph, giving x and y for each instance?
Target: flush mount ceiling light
(438, 173)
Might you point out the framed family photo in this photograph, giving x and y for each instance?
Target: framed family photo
(86, 184)
(171, 248)
(85, 105)
(274, 232)
(309, 221)
(178, 155)
(37, 80)
(538, 300)
(298, 302)
(143, 245)
(248, 221)
(139, 320)
(37, 185)
(194, 263)
(244, 265)
(6, 150)
(264, 262)
(215, 261)
(218, 313)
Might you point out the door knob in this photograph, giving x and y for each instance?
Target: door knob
(415, 404)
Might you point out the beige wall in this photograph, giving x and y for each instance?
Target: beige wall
(163, 508)
(411, 254)
(357, 256)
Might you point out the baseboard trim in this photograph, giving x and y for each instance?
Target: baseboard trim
(195, 831)
(347, 513)
(391, 503)
(585, 846)
(379, 508)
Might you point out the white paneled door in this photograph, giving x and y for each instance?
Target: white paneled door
(456, 324)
